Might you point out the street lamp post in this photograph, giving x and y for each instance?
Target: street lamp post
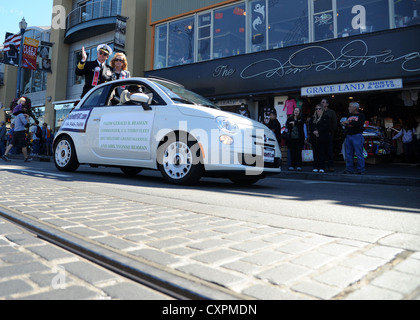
(22, 25)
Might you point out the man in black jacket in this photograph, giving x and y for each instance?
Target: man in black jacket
(95, 72)
(354, 139)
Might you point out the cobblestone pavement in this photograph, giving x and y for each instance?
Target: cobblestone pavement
(33, 269)
(251, 260)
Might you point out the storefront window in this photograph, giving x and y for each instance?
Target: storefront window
(258, 25)
(181, 42)
(77, 58)
(160, 46)
(204, 37)
(34, 81)
(323, 20)
(288, 23)
(406, 13)
(360, 16)
(229, 31)
(37, 81)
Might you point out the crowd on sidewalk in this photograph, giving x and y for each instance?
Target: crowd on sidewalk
(313, 139)
(24, 136)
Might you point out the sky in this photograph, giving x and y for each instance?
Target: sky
(36, 13)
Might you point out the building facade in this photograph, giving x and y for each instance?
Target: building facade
(260, 53)
(264, 52)
(34, 82)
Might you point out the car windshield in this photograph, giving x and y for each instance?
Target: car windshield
(179, 94)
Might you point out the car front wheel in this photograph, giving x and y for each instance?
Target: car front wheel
(179, 161)
(65, 157)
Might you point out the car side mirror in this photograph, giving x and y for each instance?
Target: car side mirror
(142, 98)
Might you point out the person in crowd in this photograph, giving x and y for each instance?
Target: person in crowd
(9, 137)
(119, 65)
(243, 110)
(417, 138)
(36, 141)
(19, 134)
(354, 127)
(330, 113)
(296, 139)
(408, 135)
(2, 137)
(45, 139)
(95, 72)
(50, 141)
(274, 125)
(319, 129)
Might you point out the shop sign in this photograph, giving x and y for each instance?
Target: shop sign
(391, 54)
(352, 87)
(232, 102)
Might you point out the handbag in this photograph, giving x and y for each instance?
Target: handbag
(307, 153)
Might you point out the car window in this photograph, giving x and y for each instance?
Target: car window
(120, 95)
(96, 99)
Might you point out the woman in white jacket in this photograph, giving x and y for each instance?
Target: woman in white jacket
(408, 142)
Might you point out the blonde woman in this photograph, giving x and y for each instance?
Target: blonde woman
(319, 128)
(119, 64)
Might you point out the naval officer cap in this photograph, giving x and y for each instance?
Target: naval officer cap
(105, 48)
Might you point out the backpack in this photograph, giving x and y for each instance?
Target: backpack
(294, 134)
(38, 132)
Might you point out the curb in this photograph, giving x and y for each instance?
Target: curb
(366, 178)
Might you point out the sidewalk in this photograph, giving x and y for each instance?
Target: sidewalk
(384, 173)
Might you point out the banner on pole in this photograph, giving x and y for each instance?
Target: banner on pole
(30, 53)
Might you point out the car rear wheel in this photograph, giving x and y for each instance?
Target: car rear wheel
(179, 161)
(65, 157)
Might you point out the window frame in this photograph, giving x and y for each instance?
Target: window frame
(311, 37)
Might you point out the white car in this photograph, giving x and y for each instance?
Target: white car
(147, 123)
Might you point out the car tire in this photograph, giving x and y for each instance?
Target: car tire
(65, 157)
(180, 161)
(244, 179)
(130, 171)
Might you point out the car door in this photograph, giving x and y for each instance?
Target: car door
(120, 134)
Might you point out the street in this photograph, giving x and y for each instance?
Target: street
(279, 239)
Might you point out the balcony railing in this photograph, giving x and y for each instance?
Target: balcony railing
(93, 10)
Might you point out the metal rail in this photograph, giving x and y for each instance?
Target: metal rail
(164, 280)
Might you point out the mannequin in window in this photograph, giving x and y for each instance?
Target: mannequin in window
(289, 106)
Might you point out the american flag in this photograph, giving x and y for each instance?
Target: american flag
(12, 39)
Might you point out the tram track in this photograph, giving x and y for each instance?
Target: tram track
(172, 283)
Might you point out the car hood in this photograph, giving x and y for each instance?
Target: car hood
(206, 112)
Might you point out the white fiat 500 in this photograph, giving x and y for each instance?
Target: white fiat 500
(157, 124)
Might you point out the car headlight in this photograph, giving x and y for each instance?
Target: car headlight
(227, 125)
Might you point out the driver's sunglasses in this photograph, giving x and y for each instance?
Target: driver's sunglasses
(103, 54)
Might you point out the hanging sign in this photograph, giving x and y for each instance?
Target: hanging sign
(352, 87)
(30, 53)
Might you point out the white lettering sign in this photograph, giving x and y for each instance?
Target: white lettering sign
(352, 87)
(127, 132)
